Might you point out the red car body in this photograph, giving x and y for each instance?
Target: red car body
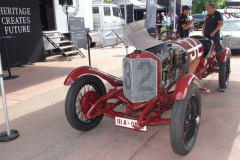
(196, 65)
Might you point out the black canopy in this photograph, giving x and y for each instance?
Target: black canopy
(232, 4)
(137, 4)
(159, 7)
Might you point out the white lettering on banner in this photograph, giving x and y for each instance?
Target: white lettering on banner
(28, 28)
(10, 20)
(17, 29)
(16, 20)
(1, 11)
(20, 19)
(20, 11)
(28, 20)
(28, 11)
(4, 10)
(3, 21)
(15, 9)
(24, 20)
(9, 11)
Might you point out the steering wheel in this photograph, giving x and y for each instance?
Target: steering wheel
(170, 37)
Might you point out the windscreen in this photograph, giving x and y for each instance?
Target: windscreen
(231, 25)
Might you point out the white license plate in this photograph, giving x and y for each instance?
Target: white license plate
(127, 123)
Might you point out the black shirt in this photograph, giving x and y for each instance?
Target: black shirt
(211, 22)
(181, 21)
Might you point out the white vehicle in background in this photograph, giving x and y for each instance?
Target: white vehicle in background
(104, 17)
(98, 16)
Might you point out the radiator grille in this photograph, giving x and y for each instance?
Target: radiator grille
(139, 79)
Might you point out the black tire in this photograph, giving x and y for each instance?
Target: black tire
(224, 73)
(83, 84)
(185, 125)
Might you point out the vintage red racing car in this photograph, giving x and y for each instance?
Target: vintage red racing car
(159, 75)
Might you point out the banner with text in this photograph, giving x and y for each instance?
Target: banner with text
(21, 19)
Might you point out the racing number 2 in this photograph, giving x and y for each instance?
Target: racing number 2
(145, 67)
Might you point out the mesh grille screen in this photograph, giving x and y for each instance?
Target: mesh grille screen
(139, 79)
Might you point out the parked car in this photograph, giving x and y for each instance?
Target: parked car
(200, 20)
(230, 34)
(159, 75)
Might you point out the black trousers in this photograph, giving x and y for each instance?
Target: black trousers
(216, 39)
(158, 27)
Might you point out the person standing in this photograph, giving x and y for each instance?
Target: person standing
(163, 18)
(225, 15)
(172, 20)
(183, 24)
(167, 24)
(144, 15)
(211, 27)
(158, 23)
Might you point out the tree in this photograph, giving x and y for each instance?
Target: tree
(199, 5)
(106, 1)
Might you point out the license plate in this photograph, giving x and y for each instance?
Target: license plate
(127, 123)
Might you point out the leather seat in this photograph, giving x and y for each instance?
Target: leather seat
(198, 37)
(207, 45)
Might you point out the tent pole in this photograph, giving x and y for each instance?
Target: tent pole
(174, 26)
(125, 31)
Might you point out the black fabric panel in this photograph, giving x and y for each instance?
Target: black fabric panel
(26, 47)
(151, 16)
(129, 12)
(232, 3)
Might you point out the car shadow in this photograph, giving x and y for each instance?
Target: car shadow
(46, 134)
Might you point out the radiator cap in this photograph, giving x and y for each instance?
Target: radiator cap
(137, 51)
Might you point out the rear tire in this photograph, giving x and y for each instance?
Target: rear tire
(224, 73)
(185, 121)
(74, 111)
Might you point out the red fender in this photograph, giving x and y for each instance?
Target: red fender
(225, 54)
(183, 86)
(114, 81)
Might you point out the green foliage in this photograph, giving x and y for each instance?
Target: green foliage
(106, 1)
(200, 5)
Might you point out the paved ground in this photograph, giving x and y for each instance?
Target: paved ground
(36, 108)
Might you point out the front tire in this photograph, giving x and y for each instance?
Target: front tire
(185, 121)
(75, 108)
(224, 73)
